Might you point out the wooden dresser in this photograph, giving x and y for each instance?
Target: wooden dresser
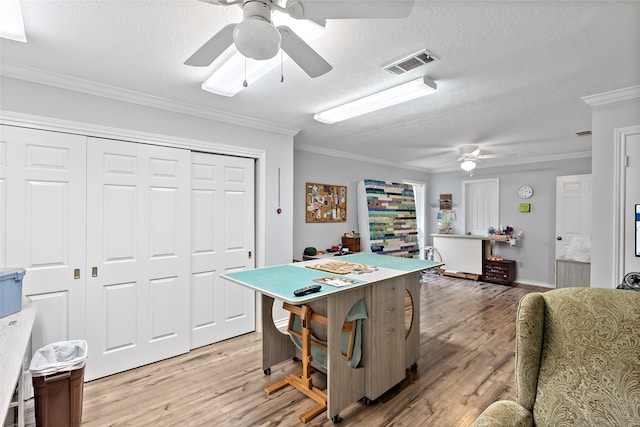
(502, 272)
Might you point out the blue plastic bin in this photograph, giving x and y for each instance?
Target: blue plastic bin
(10, 290)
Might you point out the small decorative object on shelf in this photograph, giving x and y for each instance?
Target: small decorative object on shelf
(351, 241)
(498, 270)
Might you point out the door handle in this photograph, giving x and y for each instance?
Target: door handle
(559, 238)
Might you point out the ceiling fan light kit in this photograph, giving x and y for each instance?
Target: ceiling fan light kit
(386, 98)
(228, 69)
(256, 37)
(256, 28)
(468, 165)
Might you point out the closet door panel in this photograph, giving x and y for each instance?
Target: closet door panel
(222, 236)
(139, 298)
(43, 231)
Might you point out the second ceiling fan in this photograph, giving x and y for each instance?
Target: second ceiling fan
(258, 38)
(470, 154)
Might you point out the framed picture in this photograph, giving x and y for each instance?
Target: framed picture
(325, 202)
(446, 202)
(525, 207)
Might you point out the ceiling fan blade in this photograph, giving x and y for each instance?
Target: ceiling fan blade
(213, 48)
(351, 9)
(302, 54)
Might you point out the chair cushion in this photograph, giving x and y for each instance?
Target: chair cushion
(590, 361)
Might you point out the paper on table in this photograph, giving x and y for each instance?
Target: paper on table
(335, 281)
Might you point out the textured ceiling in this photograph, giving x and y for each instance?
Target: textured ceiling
(510, 74)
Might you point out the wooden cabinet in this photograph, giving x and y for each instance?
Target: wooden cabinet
(384, 353)
(502, 272)
(353, 243)
(463, 255)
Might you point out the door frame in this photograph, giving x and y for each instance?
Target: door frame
(619, 189)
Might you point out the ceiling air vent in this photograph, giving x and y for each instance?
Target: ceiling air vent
(410, 62)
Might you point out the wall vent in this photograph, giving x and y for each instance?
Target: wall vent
(410, 62)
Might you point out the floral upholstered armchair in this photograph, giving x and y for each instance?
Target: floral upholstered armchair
(577, 361)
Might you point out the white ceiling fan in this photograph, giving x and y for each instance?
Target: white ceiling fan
(258, 38)
(470, 154)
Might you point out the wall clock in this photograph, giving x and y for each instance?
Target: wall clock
(525, 191)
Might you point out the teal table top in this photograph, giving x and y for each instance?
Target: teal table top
(280, 281)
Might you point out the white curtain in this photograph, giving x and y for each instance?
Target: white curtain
(419, 190)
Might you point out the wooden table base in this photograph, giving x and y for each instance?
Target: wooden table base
(305, 386)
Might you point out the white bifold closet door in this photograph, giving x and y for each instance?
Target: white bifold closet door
(138, 233)
(222, 240)
(124, 243)
(42, 199)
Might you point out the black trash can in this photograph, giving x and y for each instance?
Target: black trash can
(57, 372)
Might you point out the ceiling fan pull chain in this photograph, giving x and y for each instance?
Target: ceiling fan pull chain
(244, 83)
(281, 67)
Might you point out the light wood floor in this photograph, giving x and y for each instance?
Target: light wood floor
(467, 362)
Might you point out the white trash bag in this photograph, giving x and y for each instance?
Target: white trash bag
(60, 356)
(579, 248)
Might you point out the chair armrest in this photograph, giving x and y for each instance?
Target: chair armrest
(504, 413)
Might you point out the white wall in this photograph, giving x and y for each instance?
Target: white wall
(274, 231)
(605, 118)
(314, 167)
(535, 253)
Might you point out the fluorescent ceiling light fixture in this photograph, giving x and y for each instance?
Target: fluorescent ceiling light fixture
(386, 98)
(468, 165)
(229, 68)
(11, 24)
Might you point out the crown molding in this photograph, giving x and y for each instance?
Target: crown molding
(522, 161)
(503, 162)
(613, 96)
(352, 156)
(133, 97)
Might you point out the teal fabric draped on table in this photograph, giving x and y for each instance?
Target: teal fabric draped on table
(358, 312)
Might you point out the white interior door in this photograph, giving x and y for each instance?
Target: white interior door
(138, 234)
(222, 240)
(573, 209)
(43, 194)
(481, 205)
